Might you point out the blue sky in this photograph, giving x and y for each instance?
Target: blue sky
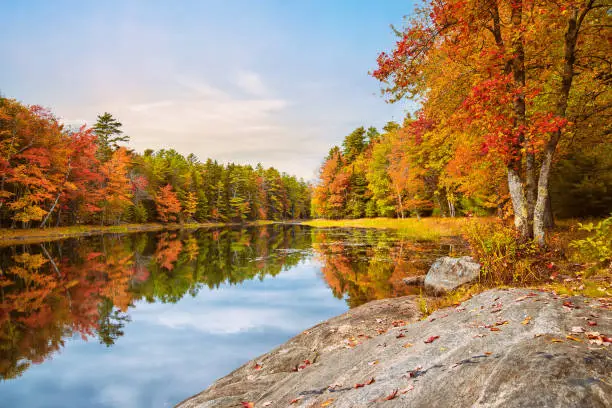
(271, 81)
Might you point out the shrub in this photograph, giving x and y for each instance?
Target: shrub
(502, 256)
(596, 249)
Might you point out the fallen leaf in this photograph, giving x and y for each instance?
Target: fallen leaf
(303, 366)
(495, 329)
(371, 363)
(431, 340)
(556, 341)
(399, 336)
(591, 323)
(527, 320)
(247, 404)
(405, 390)
(487, 353)
(392, 395)
(327, 403)
(577, 329)
(370, 381)
(296, 400)
(520, 298)
(569, 304)
(408, 345)
(573, 338)
(257, 366)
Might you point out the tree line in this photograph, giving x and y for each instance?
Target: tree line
(51, 175)
(515, 113)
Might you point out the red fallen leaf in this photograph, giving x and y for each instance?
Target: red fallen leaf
(569, 304)
(257, 366)
(431, 340)
(303, 366)
(392, 395)
(495, 329)
(550, 265)
(399, 336)
(248, 404)
(591, 323)
(361, 385)
(295, 400)
(554, 275)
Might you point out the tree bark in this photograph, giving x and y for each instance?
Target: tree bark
(515, 186)
(549, 219)
(567, 76)
(522, 203)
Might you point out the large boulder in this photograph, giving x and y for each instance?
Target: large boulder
(503, 348)
(449, 273)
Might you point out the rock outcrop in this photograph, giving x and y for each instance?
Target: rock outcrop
(449, 273)
(502, 348)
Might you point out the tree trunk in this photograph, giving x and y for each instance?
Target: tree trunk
(44, 221)
(530, 185)
(515, 186)
(522, 203)
(567, 76)
(549, 219)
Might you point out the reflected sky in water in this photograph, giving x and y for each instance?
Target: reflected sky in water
(198, 304)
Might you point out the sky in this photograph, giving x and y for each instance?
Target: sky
(245, 81)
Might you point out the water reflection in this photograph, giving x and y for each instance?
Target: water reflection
(52, 291)
(224, 295)
(364, 265)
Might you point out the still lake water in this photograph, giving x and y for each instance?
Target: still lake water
(149, 319)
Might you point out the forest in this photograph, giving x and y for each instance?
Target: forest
(52, 175)
(514, 118)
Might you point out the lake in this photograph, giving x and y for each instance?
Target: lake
(149, 319)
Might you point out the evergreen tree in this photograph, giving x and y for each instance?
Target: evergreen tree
(109, 133)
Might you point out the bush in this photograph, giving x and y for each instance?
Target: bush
(502, 256)
(596, 249)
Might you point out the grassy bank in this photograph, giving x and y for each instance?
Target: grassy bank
(426, 228)
(22, 236)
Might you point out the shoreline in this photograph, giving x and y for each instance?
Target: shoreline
(35, 235)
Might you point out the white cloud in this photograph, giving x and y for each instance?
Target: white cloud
(251, 83)
(228, 320)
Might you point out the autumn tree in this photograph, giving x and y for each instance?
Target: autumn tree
(504, 71)
(167, 204)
